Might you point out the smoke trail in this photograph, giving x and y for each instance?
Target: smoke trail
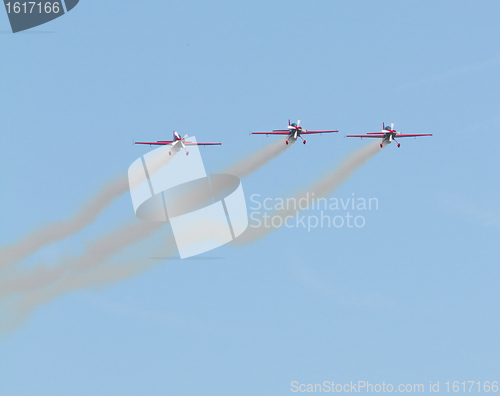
(25, 290)
(21, 306)
(95, 254)
(322, 188)
(101, 250)
(88, 214)
(252, 163)
(58, 231)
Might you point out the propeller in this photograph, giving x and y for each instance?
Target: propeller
(181, 141)
(295, 127)
(392, 126)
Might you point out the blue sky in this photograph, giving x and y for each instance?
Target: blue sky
(412, 297)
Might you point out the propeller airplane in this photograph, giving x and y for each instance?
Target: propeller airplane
(294, 131)
(388, 134)
(178, 143)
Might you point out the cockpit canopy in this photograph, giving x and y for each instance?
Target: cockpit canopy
(294, 124)
(387, 128)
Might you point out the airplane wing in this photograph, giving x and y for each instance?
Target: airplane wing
(381, 135)
(414, 135)
(201, 144)
(307, 132)
(167, 142)
(275, 132)
(161, 143)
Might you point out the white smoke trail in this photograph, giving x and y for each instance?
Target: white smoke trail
(322, 188)
(260, 158)
(101, 250)
(24, 290)
(96, 253)
(58, 231)
(19, 307)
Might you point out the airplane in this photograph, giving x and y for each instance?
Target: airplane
(178, 140)
(388, 134)
(294, 130)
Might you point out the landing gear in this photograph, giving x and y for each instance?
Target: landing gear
(187, 152)
(169, 153)
(381, 145)
(399, 144)
(304, 142)
(287, 142)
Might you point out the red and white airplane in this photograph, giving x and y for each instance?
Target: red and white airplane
(388, 134)
(178, 142)
(294, 130)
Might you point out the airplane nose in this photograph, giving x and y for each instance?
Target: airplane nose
(25, 15)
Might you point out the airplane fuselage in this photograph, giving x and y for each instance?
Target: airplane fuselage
(295, 133)
(389, 136)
